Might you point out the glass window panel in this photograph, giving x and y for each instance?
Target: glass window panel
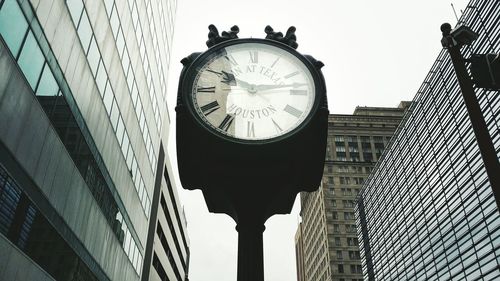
(119, 130)
(48, 85)
(130, 155)
(115, 113)
(128, 239)
(31, 60)
(125, 61)
(108, 4)
(93, 56)
(139, 263)
(120, 42)
(101, 78)
(75, 8)
(13, 25)
(134, 168)
(125, 143)
(115, 22)
(130, 77)
(85, 31)
(134, 93)
(108, 98)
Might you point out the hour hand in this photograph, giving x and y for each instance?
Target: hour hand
(228, 78)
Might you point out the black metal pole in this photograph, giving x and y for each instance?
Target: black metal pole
(479, 126)
(250, 251)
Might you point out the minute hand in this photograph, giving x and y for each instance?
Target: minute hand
(269, 87)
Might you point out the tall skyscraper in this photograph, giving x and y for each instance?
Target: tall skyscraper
(83, 120)
(326, 241)
(427, 211)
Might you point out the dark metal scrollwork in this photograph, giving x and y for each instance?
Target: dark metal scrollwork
(289, 39)
(214, 38)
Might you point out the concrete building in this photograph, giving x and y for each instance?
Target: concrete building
(427, 211)
(83, 123)
(327, 234)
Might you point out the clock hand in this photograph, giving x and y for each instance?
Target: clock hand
(228, 78)
(244, 84)
(269, 87)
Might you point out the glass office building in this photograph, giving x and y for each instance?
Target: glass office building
(427, 211)
(83, 116)
(326, 242)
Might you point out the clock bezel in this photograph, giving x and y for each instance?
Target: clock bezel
(198, 63)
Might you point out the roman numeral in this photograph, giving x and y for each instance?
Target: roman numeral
(206, 89)
(291, 74)
(274, 63)
(226, 123)
(293, 111)
(210, 107)
(254, 56)
(276, 126)
(231, 59)
(298, 92)
(250, 129)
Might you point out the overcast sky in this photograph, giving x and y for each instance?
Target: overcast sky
(376, 53)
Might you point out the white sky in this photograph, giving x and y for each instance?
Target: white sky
(376, 53)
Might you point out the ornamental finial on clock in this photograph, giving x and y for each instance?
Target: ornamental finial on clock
(214, 38)
(289, 39)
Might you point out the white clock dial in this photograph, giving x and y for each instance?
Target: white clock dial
(253, 91)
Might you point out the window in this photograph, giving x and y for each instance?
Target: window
(108, 98)
(352, 241)
(101, 78)
(336, 228)
(335, 215)
(13, 25)
(75, 8)
(339, 255)
(330, 180)
(354, 255)
(85, 31)
(345, 180)
(348, 215)
(47, 85)
(337, 241)
(358, 180)
(31, 60)
(340, 268)
(93, 56)
(114, 21)
(115, 113)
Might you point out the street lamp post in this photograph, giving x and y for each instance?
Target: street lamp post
(453, 40)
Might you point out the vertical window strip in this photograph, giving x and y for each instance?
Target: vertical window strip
(109, 99)
(123, 52)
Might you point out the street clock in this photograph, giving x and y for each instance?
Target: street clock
(251, 122)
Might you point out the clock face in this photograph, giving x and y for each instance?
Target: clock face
(253, 91)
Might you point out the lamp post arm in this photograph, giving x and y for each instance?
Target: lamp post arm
(479, 126)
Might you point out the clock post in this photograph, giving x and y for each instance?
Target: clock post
(252, 121)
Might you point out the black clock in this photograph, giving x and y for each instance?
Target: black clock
(251, 123)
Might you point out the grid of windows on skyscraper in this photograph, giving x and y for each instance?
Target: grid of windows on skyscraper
(427, 212)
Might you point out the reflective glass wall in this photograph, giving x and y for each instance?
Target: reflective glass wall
(427, 211)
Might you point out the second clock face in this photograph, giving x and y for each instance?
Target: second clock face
(253, 91)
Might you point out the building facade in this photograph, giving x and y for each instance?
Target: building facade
(427, 210)
(327, 237)
(83, 116)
